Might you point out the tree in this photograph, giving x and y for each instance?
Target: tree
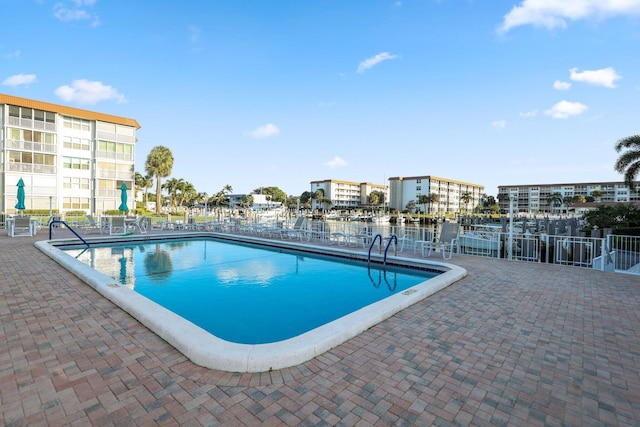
(567, 201)
(629, 161)
(554, 199)
(423, 200)
(221, 197)
(578, 198)
(305, 200)
(277, 195)
(466, 198)
(143, 183)
(596, 194)
(411, 206)
(292, 202)
(432, 198)
(376, 198)
(159, 164)
(172, 185)
(246, 201)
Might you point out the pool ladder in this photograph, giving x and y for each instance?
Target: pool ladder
(59, 221)
(386, 249)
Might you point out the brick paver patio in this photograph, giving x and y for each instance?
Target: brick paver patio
(511, 344)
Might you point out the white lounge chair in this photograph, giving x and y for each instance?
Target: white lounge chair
(22, 226)
(92, 225)
(298, 231)
(446, 243)
(117, 225)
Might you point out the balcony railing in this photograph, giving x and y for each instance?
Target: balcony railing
(125, 176)
(115, 156)
(31, 146)
(31, 168)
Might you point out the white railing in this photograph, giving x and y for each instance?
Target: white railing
(114, 156)
(627, 250)
(571, 250)
(28, 123)
(31, 146)
(31, 168)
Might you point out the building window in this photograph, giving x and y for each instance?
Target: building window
(115, 150)
(75, 163)
(71, 203)
(76, 123)
(76, 143)
(75, 183)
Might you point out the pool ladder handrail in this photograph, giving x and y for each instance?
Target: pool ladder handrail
(373, 242)
(380, 275)
(395, 253)
(59, 221)
(391, 238)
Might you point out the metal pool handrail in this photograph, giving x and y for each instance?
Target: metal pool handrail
(59, 221)
(373, 242)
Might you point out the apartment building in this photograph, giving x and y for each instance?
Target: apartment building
(345, 194)
(451, 194)
(68, 158)
(537, 197)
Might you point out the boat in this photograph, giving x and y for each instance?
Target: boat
(384, 219)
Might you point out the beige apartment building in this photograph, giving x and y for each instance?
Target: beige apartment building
(537, 197)
(451, 194)
(345, 194)
(68, 158)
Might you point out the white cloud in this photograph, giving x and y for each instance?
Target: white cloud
(566, 109)
(499, 124)
(86, 92)
(336, 162)
(604, 77)
(265, 131)
(19, 79)
(558, 85)
(555, 13)
(529, 113)
(76, 13)
(375, 60)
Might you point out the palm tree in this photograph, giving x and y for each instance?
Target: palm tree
(596, 194)
(567, 201)
(172, 185)
(554, 199)
(139, 181)
(423, 200)
(629, 162)
(432, 198)
(159, 164)
(466, 198)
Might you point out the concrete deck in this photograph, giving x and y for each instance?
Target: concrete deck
(512, 343)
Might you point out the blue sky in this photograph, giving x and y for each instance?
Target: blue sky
(281, 93)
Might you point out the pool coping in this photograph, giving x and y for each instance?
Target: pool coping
(205, 349)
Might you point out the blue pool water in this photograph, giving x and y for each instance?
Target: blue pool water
(246, 294)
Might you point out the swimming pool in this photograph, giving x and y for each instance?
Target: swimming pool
(246, 294)
(211, 350)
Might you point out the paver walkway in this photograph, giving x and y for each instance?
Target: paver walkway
(511, 344)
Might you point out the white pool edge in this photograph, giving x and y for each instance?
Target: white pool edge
(209, 351)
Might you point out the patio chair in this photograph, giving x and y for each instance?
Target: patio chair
(22, 226)
(298, 230)
(92, 225)
(446, 243)
(117, 225)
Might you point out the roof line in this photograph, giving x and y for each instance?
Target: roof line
(70, 111)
